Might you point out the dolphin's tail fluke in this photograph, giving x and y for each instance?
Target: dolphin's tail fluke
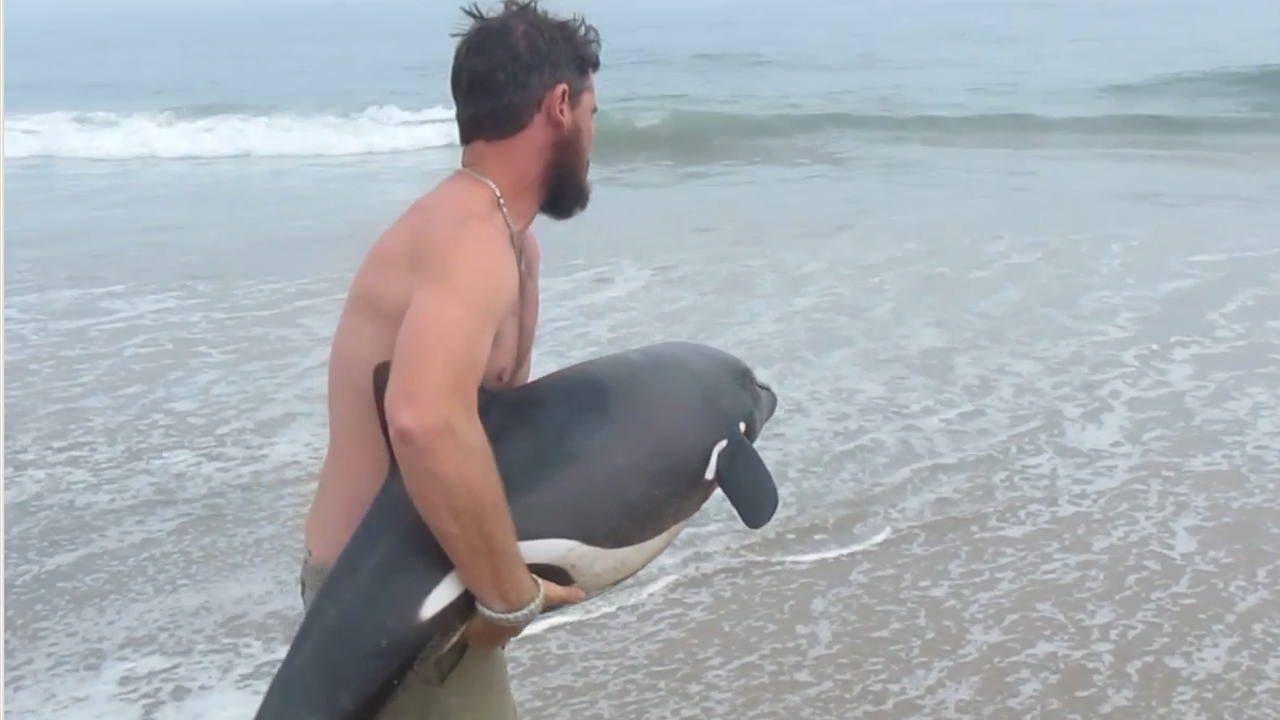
(363, 631)
(365, 628)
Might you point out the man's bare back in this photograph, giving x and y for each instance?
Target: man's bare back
(418, 244)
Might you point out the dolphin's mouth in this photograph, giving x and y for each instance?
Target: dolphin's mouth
(769, 401)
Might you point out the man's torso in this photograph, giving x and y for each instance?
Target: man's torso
(356, 460)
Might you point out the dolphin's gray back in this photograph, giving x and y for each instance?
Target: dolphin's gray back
(653, 413)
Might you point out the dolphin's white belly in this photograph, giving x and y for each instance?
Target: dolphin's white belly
(595, 569)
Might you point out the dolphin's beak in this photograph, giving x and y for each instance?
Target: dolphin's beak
(769, 400)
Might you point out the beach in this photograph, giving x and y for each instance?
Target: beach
(1013, 269)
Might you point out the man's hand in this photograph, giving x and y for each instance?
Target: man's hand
(483, 634)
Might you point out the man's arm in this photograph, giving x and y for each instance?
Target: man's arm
(438, 365)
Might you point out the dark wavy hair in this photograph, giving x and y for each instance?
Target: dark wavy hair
(508, 60)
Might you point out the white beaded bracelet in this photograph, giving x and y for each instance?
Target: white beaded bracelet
(516, 618)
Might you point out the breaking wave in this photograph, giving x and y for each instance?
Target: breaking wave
(226, 130)
(1253, 88)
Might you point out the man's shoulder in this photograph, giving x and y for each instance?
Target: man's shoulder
(442, 225)
(442, 238)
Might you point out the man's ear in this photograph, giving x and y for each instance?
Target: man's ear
(746, 481)
(558, 107)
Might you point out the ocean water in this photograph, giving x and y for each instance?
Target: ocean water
(1012, 265)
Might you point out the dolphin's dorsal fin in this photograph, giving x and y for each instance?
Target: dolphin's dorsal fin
(381, 375)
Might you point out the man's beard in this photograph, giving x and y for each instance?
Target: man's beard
(567, 188)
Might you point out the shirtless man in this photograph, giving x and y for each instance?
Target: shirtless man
(450, 294)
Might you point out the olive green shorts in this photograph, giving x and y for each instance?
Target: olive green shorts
(464, 683)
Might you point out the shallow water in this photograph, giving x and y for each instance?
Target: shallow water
(1028, 373)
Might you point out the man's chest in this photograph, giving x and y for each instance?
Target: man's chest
(513, 344)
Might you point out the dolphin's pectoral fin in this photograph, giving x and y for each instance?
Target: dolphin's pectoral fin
(746, 482)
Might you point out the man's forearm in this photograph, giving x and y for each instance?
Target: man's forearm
(454, 484)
